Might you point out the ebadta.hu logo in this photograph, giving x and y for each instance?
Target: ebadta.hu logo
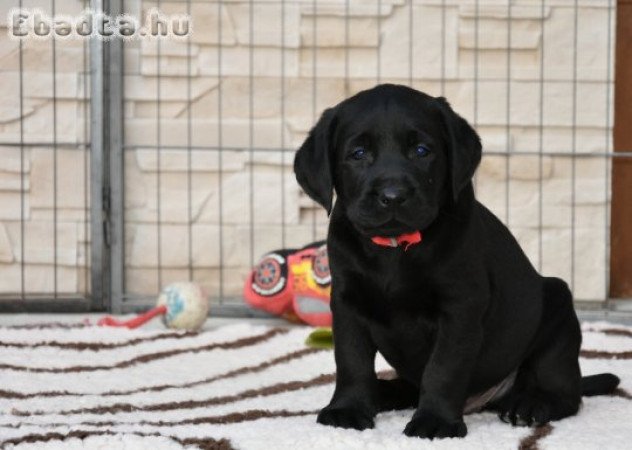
(34, 23)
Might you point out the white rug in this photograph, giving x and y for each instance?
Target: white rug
(243, 387)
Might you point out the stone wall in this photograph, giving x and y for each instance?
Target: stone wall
(254, 93)
(43, 195)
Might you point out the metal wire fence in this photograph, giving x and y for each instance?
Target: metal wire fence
(187, 175)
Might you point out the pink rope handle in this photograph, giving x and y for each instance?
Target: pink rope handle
(109, 321)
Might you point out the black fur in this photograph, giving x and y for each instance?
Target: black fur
(455, 314)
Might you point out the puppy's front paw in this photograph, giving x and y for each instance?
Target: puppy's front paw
(346, 417)
(425, 424)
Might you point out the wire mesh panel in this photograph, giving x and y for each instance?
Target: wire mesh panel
(212, 122)
(44, 166)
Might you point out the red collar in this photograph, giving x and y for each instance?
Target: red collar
(406, 240)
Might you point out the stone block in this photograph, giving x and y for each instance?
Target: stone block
(554, 196)
(524, 106)
(502, 12)
(269, 204)
(38, 279)
(131, 61)
(267, 238)
(522, 35)
(149, 247)
(139, 281)
(205, 133)
(167, 110)
(14, 205)
(135, 185)
(147, 282)
(78, 215)
(7, 45)
(10, 181)
(168, 66)
(215, 246)
(272, 97)
(212, 246)
(145, 88)
(494, 138)
(180, 48)
(15, 160)
(66, 7)
(45, 243)
(588, 191)
(11, 111)
(175, 204)
(6, 248)
(200, 160)
(434, 51)
(283, 158)
(37, 56)
(269, 29)
(221, 284)
(207, 20)
(592, 43)
(38, 127)
(69, 190)
(520, 167)
(83, 281)
(492, 64)
(352, 9)
(595, 43)
(333, 31)
(549, 139)
(331, 61)
(39, 85)
(266, 61)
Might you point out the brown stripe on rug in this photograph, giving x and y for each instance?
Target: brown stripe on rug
(204, 444)
(272, 389)
(236, 372)
(46, 326)
(149, 357)
(610, 331)
(223, 419)
(531, 442)
(603, 354)
(98, 346)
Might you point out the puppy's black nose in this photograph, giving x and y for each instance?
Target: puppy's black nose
(392, 196)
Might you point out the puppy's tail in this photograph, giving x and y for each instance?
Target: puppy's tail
(600, 384)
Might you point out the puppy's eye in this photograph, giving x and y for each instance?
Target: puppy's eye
(422, 151)
(358, 153)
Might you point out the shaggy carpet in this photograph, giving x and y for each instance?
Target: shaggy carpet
(243, 387)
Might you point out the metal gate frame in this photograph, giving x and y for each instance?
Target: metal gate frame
(106, 105)
(108, 179)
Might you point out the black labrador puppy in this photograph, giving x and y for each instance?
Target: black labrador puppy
(430, 278)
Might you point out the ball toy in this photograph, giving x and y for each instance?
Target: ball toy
(186, 306)
(183, 306)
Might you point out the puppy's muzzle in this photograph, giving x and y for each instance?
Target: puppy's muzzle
(393, 196)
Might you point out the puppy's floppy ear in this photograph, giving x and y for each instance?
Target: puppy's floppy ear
(464, 152)
(313, 163)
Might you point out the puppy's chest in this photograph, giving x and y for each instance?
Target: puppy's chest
(393, 296)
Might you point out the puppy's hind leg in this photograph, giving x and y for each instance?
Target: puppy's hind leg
(396, 394)
(548, 383)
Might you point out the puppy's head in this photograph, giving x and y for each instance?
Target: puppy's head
(394, 156)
